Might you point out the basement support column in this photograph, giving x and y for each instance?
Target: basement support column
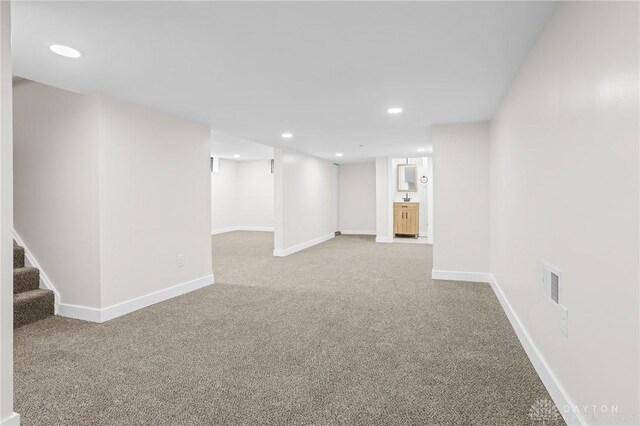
(7, 416)
(383, 203)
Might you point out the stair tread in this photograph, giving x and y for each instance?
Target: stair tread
(25, 279)
(25, 270)
(32, 294)
(18, 256)
(31, 306)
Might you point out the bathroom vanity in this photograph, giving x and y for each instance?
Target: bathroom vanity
(406, 219)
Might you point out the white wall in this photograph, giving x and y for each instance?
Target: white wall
(461, 198)
(242, 196)
(336, 197)
(154, 201)
(565, 189)
(224, 190)
(108, 194)
(7, 416)
(56, 186)
(421, 196)
(358, 198)
(430, 200)
(304, 201)
(255, 195)
(383, 201)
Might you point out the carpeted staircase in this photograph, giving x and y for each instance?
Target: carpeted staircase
(30, 302)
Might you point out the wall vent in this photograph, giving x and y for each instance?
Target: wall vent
(555, 283)
(551, 282)
(551, 289)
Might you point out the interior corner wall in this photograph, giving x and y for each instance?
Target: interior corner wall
(565, 175)
(224, 190)
(304, 208)
(154, 201)
(107, 195)
(242, 196)
(56, 187)
(255, 195)
(357, 183)
(461, 198)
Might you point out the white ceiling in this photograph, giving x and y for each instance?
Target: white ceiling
(325, 71)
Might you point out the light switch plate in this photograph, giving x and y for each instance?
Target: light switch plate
(564, 320)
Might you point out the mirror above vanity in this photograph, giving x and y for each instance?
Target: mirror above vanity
(407, 178)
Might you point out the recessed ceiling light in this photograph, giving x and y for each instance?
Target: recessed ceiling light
(395, 110)
(236, 155)
(420, 149)
(66, 51)
(339, 154)
(287, 135)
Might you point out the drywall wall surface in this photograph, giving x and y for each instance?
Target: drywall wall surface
(565, 190)
(304, 200)
(154, 201)
(461, 197)
(224, 196)
(255, 202)
(56, 163)
(357, 183)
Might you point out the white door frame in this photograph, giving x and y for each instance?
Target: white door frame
(7, 416)
(336, 197)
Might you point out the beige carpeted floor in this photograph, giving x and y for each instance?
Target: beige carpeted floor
(346, 332)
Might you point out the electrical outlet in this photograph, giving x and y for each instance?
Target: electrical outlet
(564, 320)
(180, 260)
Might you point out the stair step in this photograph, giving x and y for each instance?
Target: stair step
(25, 279)
(32, 306)
(18, 256)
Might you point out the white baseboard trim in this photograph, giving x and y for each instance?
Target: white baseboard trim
(302, 246)
(476, 277)
(87, 313)
(558, 393)
(384, 239)
(357, 232)
(110, 312)
(131, 305)
(423, 234)
(84, 313)
(256, 228)
(223, 230)
(12, 420)
(45, 281)
(242, 228)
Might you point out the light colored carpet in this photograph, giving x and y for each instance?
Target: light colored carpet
(347, 332)
(30, 303)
